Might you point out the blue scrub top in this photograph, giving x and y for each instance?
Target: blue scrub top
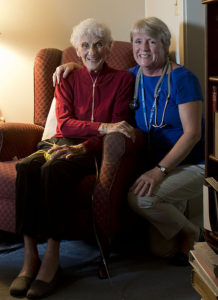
(185, 87)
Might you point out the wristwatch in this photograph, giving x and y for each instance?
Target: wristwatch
(163, 170)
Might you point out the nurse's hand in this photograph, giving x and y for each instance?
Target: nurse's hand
(64, 70)
(145, 183)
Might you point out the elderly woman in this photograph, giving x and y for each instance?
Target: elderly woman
(86, 103)
(168, 107)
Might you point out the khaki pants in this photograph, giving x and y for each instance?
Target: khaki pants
(166, 207)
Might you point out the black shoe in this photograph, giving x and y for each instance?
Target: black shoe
(180, 259)
(40, 289)
(20, 286)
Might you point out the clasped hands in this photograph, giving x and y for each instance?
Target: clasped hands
(65, 151)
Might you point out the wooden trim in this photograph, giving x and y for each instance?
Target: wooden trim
(208, 1)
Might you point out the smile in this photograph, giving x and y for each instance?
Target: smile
(92, 59)
(144, 55)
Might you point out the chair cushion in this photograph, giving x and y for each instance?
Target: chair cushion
(7, 195)
(51, 122)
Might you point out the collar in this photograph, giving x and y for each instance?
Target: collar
(104, 70)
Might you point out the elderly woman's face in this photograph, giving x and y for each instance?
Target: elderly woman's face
(93, 52)
(148, 52)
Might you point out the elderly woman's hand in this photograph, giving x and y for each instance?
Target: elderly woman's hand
(65, 151)
(122, 127)
(145, 184)
(64, 69)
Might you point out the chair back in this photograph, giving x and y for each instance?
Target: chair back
(46, 62)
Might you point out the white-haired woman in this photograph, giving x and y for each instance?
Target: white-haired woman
(168, 107)
(86, 103)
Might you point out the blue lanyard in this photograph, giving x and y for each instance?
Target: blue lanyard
(147, 124)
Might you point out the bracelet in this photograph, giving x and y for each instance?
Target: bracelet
(163, 170)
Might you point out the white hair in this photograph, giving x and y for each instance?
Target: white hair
(91, 27)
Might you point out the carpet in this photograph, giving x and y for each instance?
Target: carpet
(135, 274)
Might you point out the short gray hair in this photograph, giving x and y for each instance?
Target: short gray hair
(90, 26)
(153, 27)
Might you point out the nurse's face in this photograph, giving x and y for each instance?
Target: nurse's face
(148, 52)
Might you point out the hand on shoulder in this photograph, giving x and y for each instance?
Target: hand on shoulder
(64, 70)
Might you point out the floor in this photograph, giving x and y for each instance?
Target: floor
(135, 274)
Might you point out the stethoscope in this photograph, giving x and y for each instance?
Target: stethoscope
(134, 104)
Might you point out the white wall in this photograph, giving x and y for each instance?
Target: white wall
(185, 19)
(26, 26)
(171, 12)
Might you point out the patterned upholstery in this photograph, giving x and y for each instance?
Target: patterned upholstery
(120, 156)
(69, 54)
(7, 193)
(18, 140)
(121, 56)
(121, 159)
(46, 62)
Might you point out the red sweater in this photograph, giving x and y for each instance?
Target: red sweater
(75, 105)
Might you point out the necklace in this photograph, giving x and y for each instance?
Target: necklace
(93, 94)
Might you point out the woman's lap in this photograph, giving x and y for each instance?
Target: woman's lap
(48, 187)
(165, 209)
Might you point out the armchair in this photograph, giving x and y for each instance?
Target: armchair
(120, 155)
